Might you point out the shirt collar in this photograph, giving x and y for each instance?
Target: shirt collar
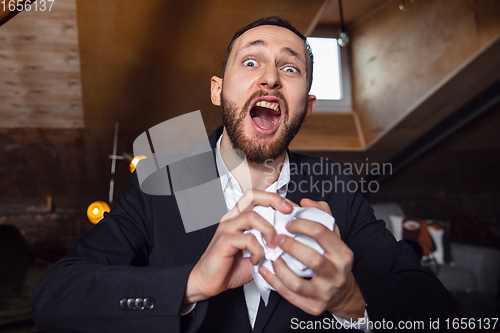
(227, 177)
(224, 173)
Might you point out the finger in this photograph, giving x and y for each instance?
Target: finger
(336, 231)
(306, 255)
(259, 198)
(321, 234)
(322, 205)
(292, 281)
(333, 264)
(250, 220)
(291, 202)
(307, 304)
(243, 242)
(266, 199)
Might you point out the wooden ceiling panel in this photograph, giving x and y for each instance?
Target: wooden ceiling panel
(400, 65)
(353, 10)
(328, 23)
(336, 131)
(148, 61)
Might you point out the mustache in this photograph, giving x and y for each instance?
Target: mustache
(262, 93)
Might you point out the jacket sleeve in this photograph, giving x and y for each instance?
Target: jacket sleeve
(105, 284)
(394, 285)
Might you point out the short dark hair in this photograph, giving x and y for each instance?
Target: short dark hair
(279, 21)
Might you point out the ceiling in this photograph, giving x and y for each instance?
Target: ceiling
(352, 10)
(66, 78)
(99, 62)
(158, 66)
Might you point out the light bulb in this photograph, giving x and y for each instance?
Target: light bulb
(343, 39)
(96, 210)
(133, 163)
(405, 5)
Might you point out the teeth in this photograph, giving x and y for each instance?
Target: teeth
(270, 105)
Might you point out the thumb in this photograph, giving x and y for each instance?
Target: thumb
(321, 205)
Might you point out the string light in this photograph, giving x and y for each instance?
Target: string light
(343, 38)
(133, 163)
(405, 5)
(96, 210)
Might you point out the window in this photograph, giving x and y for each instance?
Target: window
(331, 76)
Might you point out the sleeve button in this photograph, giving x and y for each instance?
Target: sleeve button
(149, 303)
(123, 304)
(139, 304)
(131, 303)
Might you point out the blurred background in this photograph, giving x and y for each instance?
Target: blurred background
(419, 85)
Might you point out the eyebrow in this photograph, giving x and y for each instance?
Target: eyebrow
(294, 54)
(260, 42)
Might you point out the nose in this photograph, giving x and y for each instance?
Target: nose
(270, 78)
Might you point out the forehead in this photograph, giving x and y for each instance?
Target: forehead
(274, 37)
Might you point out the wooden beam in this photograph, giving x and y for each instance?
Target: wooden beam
(6, 14)
(317, 18)
(461, 86)
(338, 131)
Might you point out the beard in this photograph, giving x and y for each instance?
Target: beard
(259, 151)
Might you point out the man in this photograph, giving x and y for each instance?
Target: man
(137, 270)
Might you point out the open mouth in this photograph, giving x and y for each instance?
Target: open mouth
(266, 114)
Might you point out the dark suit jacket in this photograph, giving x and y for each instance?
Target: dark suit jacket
(140, 250)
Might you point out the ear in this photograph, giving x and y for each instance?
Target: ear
(311, 104)
(216, 90)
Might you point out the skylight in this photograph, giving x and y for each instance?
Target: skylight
(331, 75)
(326, 71)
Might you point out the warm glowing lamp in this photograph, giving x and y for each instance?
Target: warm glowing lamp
(134, 162)
(96, 210)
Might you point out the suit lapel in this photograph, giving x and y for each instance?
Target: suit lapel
(265, 312)
(302, 184)
(206, 234)
(236, 297)
(294, 192)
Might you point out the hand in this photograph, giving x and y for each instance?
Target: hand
(222, 266)
(333, 287)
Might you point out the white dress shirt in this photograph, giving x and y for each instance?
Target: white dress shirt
(232, 193)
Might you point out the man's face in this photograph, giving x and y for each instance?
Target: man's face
(263, 95)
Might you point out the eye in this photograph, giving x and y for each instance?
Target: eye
(290, 69)
(250, 63)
